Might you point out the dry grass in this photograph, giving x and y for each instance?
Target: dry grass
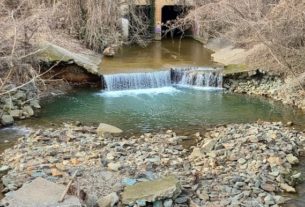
(94, 24)
(277, 24)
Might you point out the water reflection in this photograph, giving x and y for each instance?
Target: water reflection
(160, 54)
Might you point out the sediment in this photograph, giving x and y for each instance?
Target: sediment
(237, 164)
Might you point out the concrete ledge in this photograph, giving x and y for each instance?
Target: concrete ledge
(52, 53)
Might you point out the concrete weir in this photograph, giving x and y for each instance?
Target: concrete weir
(191, 77)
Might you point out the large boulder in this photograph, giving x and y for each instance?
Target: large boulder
(107, 129)
(7, 120)
(150, 191)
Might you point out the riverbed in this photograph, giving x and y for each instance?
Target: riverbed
(145, 102)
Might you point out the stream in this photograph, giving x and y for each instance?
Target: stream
(152, 101)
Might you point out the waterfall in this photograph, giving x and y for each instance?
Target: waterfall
(199, 77)
(128, 81)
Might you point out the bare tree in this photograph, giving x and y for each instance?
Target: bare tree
(278, 25)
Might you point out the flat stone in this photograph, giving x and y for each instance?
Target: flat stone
(106, 128)
(150, 191)
(108, 201)
(40, 193)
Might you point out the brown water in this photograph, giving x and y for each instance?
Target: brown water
(157, 55)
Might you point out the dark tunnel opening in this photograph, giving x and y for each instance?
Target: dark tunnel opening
(170, 13)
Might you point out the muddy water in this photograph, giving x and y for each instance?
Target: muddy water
(157, 55)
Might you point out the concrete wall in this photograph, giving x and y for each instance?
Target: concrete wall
(159, 4)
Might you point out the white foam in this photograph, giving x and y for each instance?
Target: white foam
(136, 92)
(202, 88)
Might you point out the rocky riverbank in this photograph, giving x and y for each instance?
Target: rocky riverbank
(238, 164)
(19, 104)
(264, 84)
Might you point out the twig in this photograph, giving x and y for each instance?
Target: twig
(68, 187)
(30, 81)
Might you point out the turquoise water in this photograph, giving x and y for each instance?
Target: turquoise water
(183, 109)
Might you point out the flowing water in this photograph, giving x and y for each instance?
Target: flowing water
(167, 53)
(152, 97)
(147, 110)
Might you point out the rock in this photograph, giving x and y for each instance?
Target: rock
(7, 120)
(296, 176)
(16, 113)
(56, 173)
(181, 199)
(108, 201)
(275, 161)
(114, 166)
(196, 153)
(4, 169)
(268, 187)
(150, 191)
(292, 159)
(106, 128)
(19, 95)
(40, 192)
(158, 204)
(269, 200)
(109, 52)
(289, 123)
(35, 104)
(168, 203)
(208, 145)
(287, 188)
(129, 181)
(28, 111)
(242, 161)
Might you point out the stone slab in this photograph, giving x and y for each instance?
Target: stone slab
(40, 193)
(150, 191)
